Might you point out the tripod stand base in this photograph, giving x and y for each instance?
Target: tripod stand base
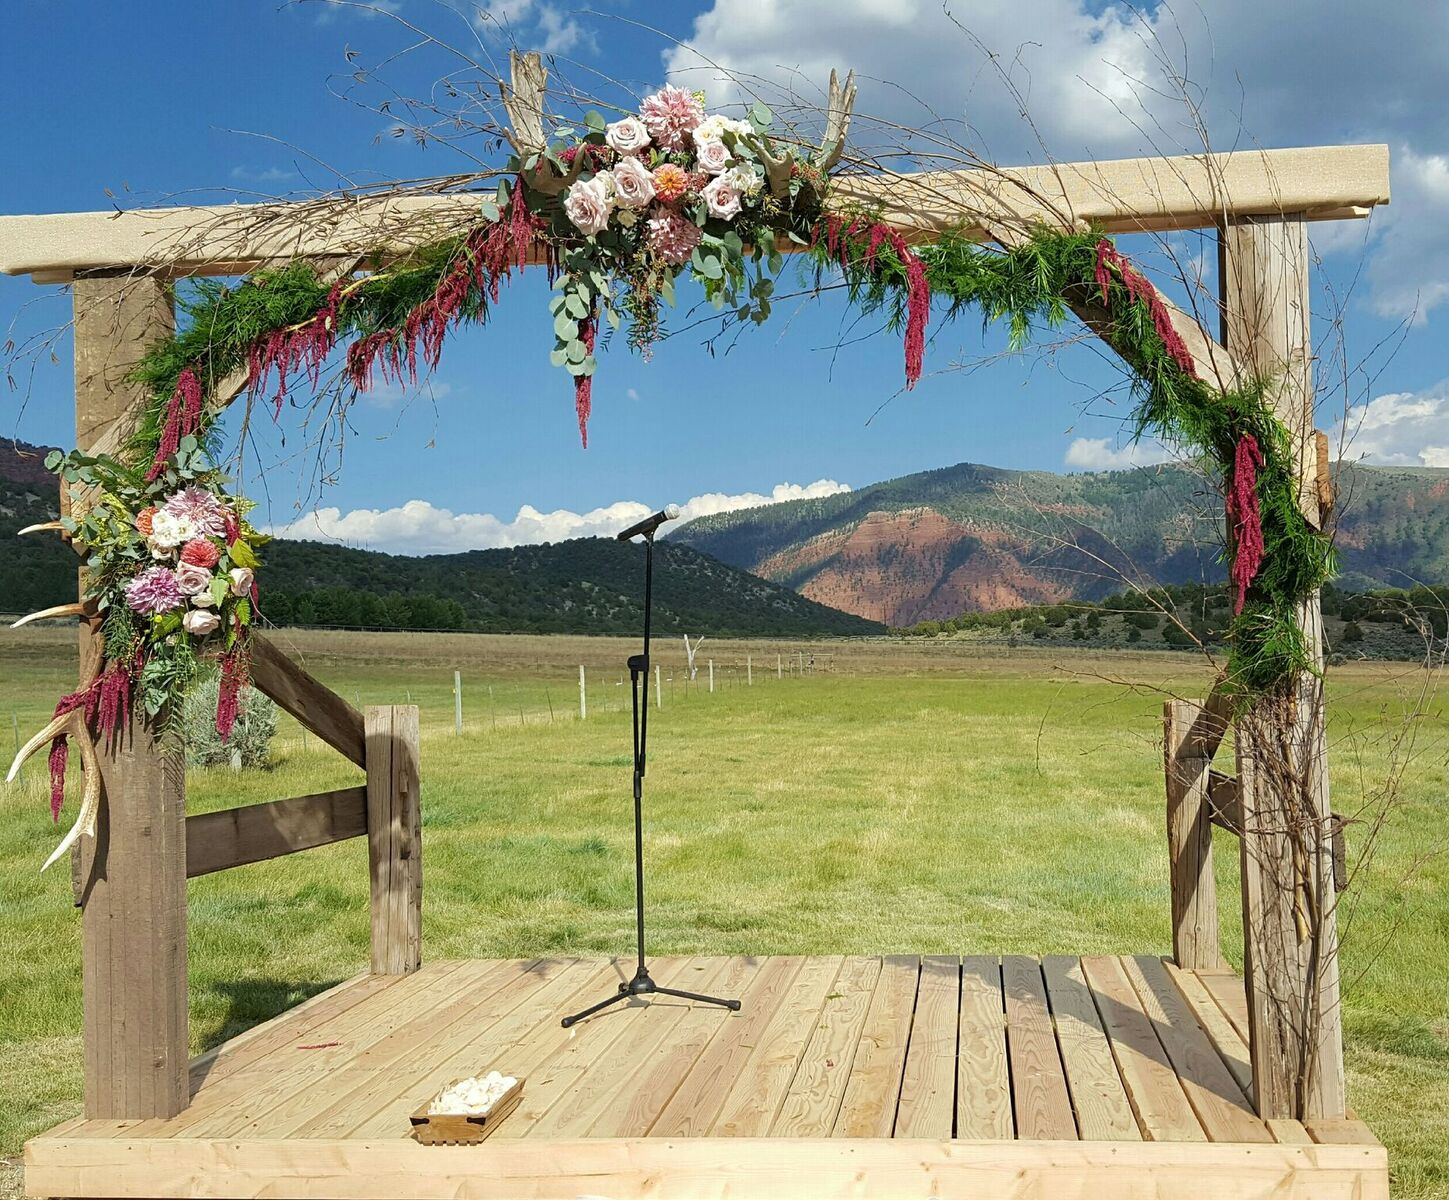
(643, 985)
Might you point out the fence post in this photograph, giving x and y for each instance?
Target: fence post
(779, 668)
(711, 677)
(658, 689)
(394, 838)
(1195, 943)
(457, 704)
(583, 696)
(749, 672)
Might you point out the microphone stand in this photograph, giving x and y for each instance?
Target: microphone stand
(642, 984)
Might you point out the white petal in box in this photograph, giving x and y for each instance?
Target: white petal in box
(452, 1117)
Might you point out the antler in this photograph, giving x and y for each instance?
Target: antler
(50, 614)
(542, 179)
(43, 527)
(73, 725)
(524, 102)
(777, 166)
(837, 121)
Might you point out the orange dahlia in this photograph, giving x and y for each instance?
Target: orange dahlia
(200, 553)
(670, 182)
(143, 521)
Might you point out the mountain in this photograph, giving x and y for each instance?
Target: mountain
(971, 538)
(591, 585)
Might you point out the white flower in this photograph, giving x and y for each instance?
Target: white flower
(714, 127)
(746, 179)
(168, 532)
(588, 204)
(722, 197)
(627, 217)
(712, 156)
(633, 184)
(627, 136)
(241, 580)
(193, 580)
(199, 622)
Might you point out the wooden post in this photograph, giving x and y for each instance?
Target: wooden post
(1291, 938)
(749, 672)
(779, 668)
(583, 696)
(132, 875)
(658, 689)
(711, 677)
(457, 704)
(394, 839)
(1195, 943)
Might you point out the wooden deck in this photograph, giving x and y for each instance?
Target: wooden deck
(939, 1076)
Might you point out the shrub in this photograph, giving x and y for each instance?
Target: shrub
(251, 738)
(1351, 633)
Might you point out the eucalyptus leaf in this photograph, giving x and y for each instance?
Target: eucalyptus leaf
(565, 328)
(558, 357)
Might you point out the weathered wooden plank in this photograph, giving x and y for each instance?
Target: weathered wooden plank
(1040, 1099)
(394, 838)
(1124, 196)
(983, 1078)
(1349, 1131)
(1098, 1097)
(1231, 1048)
(701, 1169)
(234, 837)
(1227, 989)
(1162, 1108)
(1212, 1091)
(1289, 1133)
(927, 1105)
(315, 706)
(813, 1101)
(1195, 941)
(869, 1107)
(132, 874)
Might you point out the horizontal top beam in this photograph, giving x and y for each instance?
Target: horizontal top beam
(1124, 196)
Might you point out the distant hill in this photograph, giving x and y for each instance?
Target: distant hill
(591, 585)
(971, 538)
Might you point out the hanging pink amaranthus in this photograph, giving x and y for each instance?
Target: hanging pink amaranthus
(183, 418)
(107, 706)
(1244, 520)
(843, 241)
(235, 674)
(285, 350)
(584, 384)
(1139, 288)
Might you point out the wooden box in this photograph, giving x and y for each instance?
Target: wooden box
(453, 1129)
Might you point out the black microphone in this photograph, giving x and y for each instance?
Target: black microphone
(670, 512)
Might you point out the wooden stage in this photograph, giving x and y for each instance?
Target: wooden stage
(903, 1076)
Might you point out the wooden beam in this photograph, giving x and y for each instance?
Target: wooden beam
(131, 1168)
(1227, 809)
(394, 839)
(132, 874)
(1124, 196)
(314, 705)
(234, 837)
(1195, 940)
(1289, 912)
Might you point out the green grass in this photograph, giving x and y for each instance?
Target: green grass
(911, 798)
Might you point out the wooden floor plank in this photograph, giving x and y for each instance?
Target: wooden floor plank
(1288, 1133)
(1224, 1034)
(476, 1048)
(1214, 1094)
(983, 1078)
(813, 1101)
(1040, 1100)
(1228, 990)
(927, 1107)
(759, 1089)
(659, 1074)
(1347, 1132)
(1162, 1109)
(693, 1107)
(1098, 1096)
(868, 1109)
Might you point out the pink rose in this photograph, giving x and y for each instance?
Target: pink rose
(633, 184)
(713, 156)
(192, 578)
(199, 622)
(722, 198)
(627, 136)
(587, 205)
(241, 580)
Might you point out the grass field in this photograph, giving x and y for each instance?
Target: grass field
(919, 797)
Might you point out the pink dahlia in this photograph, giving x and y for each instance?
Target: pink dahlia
(670, 114)
(672, 237)
(199, 552)
(154, 590)
(204, 511)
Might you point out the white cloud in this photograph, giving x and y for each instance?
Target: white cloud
(1408, 266)
(1098, 454)
(1405, 429)
(419, 527)
(542, 26)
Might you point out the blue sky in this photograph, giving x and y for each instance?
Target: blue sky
(173, 101)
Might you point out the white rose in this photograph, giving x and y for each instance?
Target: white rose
(746, 179)
(713, 156)
(199, 622)
(633, 184)
(722, 198)
(241, 580)
(713, 128)
(588, 205)
(168, 531)
(627, 136)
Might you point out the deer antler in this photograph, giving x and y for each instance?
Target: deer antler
(43, 527)
(524, 102)
(50, 614)
(542, 179)
(837, 121)
(777, 166)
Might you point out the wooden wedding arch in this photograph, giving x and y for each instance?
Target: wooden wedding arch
(974, 1076)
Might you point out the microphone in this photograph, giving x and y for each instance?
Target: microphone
(670, 512)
